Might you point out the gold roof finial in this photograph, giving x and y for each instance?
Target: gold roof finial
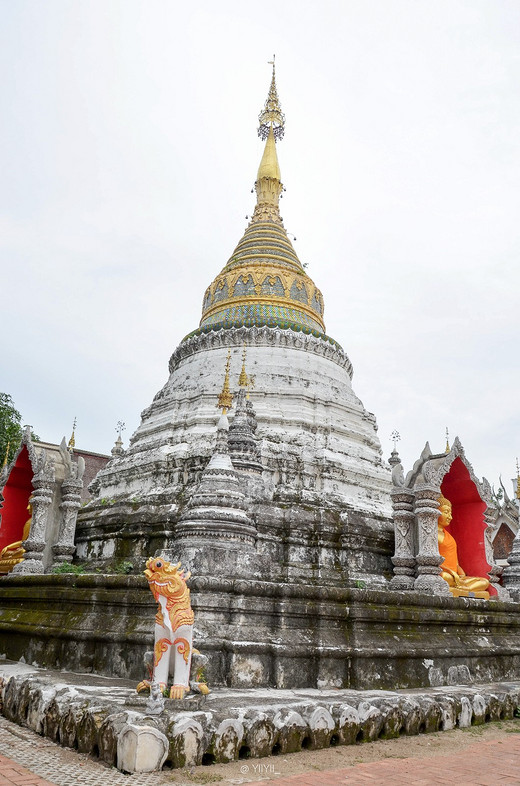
(447, 449)
(268, 183)
(517, 480)
(225, 399)
(72, 440)
(271, 116)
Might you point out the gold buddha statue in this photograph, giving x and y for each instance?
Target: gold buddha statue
(12, 554)
(460, 585)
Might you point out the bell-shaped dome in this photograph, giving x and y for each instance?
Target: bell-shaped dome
(264, 282)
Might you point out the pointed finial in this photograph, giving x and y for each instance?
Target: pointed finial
(394, 457)
(225, 399)
(243, 379)
(271, 116)
(117, 450)
(4, 465)
(72, 440)
(447, 448)
(517, 479)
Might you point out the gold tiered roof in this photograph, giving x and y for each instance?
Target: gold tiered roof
(263, 282)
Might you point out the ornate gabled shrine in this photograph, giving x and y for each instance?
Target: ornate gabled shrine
(442, 513)
(40, 496)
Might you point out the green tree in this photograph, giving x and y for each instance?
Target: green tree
(10, 428)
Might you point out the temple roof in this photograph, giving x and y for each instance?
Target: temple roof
(264, 282)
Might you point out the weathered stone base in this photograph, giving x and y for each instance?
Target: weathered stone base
(106, 718)
(264, 634)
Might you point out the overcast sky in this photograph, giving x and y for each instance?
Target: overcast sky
(128, 150)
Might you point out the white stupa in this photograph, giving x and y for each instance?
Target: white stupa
(323, 498)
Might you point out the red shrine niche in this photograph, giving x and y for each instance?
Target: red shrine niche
(468, 525)
(16, 495)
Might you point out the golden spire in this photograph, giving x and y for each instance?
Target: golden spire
(264, 283)
(243, 379)
(447, 449)
(268, 184)
(225, 399)
(517, 480)
(72, 440)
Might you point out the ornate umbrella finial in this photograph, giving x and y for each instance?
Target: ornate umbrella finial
(395, 437)
(117, 450)
(517, 479)
(394, 457)
(72, 440)
(271, 115)
(447, 448)
(225, 399)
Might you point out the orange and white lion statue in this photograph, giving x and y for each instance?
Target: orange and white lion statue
(173, 647)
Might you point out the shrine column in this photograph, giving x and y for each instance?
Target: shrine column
(428, 558)
(41, 499)
(404, 558)
(64, 548)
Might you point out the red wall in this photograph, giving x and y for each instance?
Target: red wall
(468, 524)
(16, 495)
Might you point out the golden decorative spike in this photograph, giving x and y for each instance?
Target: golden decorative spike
(447, 449)
(517, 480)
(225, 399)
(243, 379)
(271, 117)
(72, 440)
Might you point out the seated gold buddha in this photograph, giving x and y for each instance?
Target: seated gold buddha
(460, 584)
(12, 554)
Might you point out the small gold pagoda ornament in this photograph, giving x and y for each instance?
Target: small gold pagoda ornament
(447, 448)
(72, 440)
(245, 380)
(225, 399)
(517, 480)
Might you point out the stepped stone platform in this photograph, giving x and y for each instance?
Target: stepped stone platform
(105, 716)
(262, 634)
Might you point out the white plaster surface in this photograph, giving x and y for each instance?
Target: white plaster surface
(141, 749)
(308, 416)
